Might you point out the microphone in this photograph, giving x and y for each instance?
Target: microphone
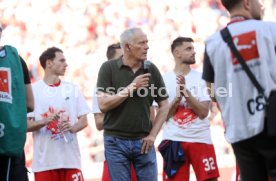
(146, 66)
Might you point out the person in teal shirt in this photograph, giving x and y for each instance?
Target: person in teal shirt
(13, 73)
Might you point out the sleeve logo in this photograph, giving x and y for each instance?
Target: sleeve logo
(247, 46)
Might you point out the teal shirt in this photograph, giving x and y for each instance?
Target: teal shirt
(131, 119)
(13, 111)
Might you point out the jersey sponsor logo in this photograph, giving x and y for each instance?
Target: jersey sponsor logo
(247, 46)
(5, 85)
(184, 116)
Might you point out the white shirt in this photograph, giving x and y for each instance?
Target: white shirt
(185, 126)
(241, 111)
(50, 150)
(95, 104)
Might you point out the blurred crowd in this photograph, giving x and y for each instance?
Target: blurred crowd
(84, 29)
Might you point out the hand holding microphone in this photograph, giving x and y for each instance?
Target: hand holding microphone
(146, 65)
(146, 75)
(143, 79)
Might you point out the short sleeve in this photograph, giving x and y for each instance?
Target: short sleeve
(208, 71)
(95, 105)
(82, 106)
(25, 71)
(104, 78)
(161, 90)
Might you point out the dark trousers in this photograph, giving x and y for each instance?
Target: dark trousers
(256, 157)
(13, 168)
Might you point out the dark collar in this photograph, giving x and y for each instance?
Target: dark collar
(121, 64)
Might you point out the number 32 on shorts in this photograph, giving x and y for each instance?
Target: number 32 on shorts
(77, 177)
(209, 164)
